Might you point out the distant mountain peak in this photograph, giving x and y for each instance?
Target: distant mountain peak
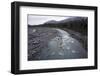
(51, 21)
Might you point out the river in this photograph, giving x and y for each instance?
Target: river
(63, 46)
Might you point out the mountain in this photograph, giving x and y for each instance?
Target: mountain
(51, 22)
(78, 24)
(72, 20)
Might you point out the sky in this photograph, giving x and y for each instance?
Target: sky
(40, 19)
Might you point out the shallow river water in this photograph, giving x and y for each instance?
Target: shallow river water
(63, 46)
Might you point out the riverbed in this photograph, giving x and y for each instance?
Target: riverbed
(55, 43)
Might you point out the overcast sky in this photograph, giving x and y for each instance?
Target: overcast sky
(39, 19)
